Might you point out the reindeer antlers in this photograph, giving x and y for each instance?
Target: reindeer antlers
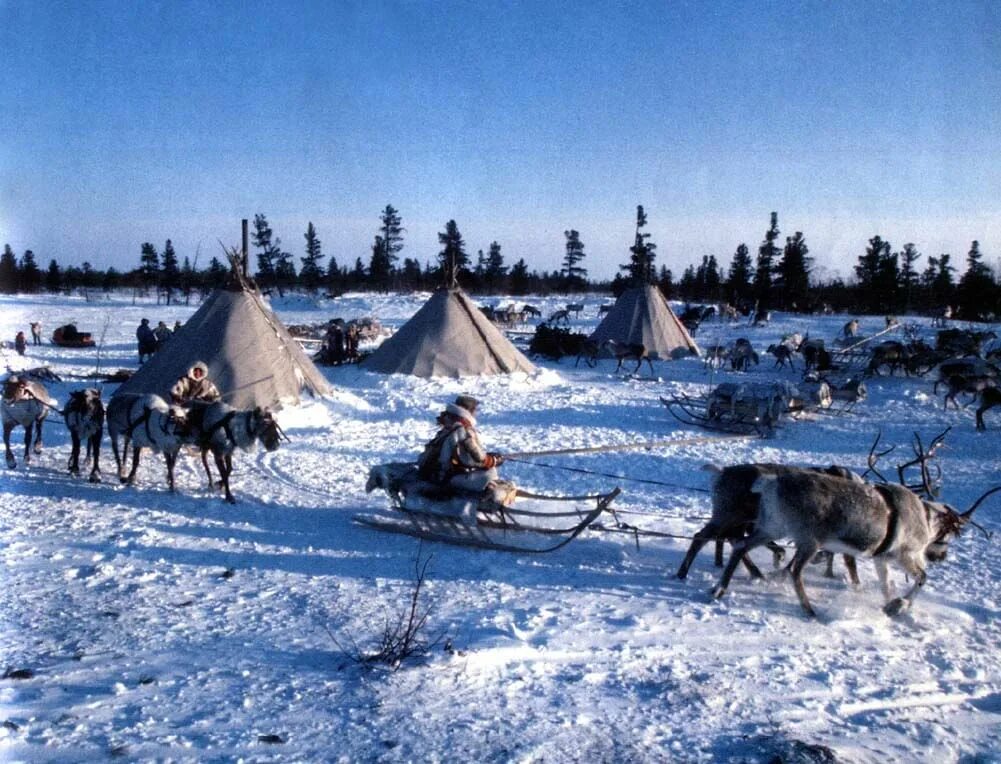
(875, 457)
(929, 486)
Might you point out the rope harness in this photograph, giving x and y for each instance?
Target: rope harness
(607, 474)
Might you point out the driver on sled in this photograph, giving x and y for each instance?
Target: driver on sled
(455, 458)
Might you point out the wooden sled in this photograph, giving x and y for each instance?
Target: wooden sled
(431, 512)
(695, 411)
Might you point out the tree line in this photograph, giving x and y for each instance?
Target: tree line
(778, 277)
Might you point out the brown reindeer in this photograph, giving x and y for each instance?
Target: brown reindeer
(628, 351)
(989, 398)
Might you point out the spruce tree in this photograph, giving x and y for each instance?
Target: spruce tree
(31, 276)
(640, 267)
(495, 271)
(520, 279)
(8, 271)
(410, 275)
(284, 271)
(215, 275)
(311, 273)
(738, 280)
(453, 259)
(868, 271)
(149, 266)
(794, 273)
(170, 273)
(53, 277)
(909, 255)
(269, 246)
(976, 287)
(379, 268)
(392, 236)
(573, 272)
(768, 251)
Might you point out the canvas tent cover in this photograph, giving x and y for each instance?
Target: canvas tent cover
(641, 315)
(252, 358)
(448, 337)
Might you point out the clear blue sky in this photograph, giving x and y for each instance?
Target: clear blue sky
(142, 121)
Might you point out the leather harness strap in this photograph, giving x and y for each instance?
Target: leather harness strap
(891, 522)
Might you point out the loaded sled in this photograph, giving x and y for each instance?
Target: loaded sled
(69, 337)
(749, 408)
(506, 518)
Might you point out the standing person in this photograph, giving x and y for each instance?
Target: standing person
(334, 341)
(194, 386)
(351, 339)
(454, 457)
(36, 333)
(146, 339)
(162, 334)
(20, 343)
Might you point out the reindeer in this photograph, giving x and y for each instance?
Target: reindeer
(850, 330)
(892, 354)
(971, 368)
(735, 510)
(603, 309)
(531, 310)
(560, 316)
(84, 415)
(588, 352)
(825, 512)
(24, 403)
(741, 355)
(972, 385)
(814, 355)
(715, 356)
(576, 308)
(989, 398)
(221, 429)
(631, 351)
(146, 421)
(783, 355)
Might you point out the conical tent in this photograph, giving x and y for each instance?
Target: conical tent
(642, 316)
(448, 337)
(252, 358)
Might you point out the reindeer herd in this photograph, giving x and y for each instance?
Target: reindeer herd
(137, 422)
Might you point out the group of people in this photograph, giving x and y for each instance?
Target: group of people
(21, 342)
(340, 344)
(151, 340)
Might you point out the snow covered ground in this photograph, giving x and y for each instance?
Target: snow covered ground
(177, 627)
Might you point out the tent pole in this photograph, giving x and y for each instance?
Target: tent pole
(245, 247)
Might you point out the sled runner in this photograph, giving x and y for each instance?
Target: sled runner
(488, 521)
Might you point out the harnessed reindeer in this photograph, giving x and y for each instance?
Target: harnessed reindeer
(146, 421)
(882, 522)
(24, 403)
(221, 429)
(84, 415)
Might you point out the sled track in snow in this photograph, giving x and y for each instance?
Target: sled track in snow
(271, 467)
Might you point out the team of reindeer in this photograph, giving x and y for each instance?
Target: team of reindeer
(136, 422)
(830, 510)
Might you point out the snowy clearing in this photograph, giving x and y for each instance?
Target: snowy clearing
(164, 626)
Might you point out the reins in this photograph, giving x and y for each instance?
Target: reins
(606, 474)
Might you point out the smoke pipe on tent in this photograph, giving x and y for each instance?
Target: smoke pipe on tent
(245, 247)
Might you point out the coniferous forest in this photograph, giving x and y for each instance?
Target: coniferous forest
(777, 273)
